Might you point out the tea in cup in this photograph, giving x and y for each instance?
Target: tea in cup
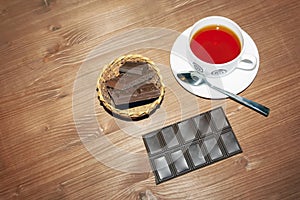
(216, 47)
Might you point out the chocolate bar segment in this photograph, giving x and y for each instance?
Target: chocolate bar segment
(213, 148)
(179, 161)
(124, 99)
(230, 142)
(120, 81)
(162, 168)
(219, 119)
(138, 68)
(178, 149)
(169, 137)
(153, 143)
(203, 125)
(127, 81)
(187, 130)
(196, 154)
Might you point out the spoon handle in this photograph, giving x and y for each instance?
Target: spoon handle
(251, 104)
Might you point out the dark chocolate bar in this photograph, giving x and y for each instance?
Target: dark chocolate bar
(191, 144)
(127, 81)
(124, 99)
(138, 68)
(120, 82)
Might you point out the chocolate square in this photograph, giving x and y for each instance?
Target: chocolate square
(203, 124)
(219, 119)
(187, 130)
(197, 154)
(230, 142)
(179, 161)
(153, 143)
(169, 137)
(213, 148)
(162, 168)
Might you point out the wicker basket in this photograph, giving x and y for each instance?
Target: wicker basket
(111, 71)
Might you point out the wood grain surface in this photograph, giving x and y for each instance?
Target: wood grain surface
(52, 51)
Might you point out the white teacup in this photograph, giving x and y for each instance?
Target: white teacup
(242, 61)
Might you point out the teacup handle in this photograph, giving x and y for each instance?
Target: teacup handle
(250, 62)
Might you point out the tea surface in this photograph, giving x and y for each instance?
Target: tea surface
(215, 44)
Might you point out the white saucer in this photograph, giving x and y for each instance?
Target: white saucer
(235, 82)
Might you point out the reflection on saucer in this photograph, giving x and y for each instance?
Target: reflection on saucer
(235, 82)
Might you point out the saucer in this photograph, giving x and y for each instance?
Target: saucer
(235, 82)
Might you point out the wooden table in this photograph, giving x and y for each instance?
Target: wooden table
(49, 148)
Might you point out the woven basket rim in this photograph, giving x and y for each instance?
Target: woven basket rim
(135, 112)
